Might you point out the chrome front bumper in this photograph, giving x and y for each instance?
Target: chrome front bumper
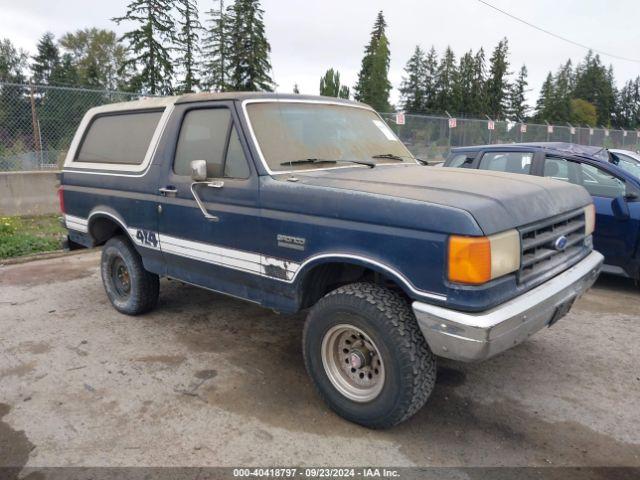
(477, 336)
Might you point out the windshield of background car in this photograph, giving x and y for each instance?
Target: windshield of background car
(290, 131)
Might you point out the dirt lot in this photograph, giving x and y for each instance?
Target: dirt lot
(209, 380)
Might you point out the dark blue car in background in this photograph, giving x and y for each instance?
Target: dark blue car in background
(615, 191)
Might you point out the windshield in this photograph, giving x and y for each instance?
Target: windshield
(300, 136)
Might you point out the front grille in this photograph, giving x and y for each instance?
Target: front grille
(538, 243)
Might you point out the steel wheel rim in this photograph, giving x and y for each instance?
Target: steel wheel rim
(343, 347)
(120, 278)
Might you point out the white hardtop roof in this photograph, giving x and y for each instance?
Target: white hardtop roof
(142, 104)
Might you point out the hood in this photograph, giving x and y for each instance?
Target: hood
(497, 201)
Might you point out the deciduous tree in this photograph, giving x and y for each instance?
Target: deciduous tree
(98, 58)
(330, 85)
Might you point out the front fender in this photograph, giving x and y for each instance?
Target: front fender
(374, 264)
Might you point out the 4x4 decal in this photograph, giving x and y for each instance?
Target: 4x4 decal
(147, 238)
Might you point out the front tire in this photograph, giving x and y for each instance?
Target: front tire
(131, 289)
(366, 355)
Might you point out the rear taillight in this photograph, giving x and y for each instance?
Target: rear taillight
(61, 198)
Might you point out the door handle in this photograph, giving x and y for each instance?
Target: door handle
(203, 209)
(168, 191)
(216, 184)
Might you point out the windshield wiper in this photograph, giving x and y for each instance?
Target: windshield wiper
(393, 156)
(324, 160)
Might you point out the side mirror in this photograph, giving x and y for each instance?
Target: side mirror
(199, 170)
(620, 208)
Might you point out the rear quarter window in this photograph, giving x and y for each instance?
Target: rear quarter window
(121, 138)
(460, 159)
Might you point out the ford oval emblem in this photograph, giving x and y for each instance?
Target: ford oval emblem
(561, 243)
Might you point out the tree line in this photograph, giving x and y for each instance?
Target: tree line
(167, 50)
(584, 95)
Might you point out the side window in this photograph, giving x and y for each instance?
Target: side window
(510, 162)
(121, 138)
(599, 183)
(460, 159)
(209, 134)
(596, 181)
(561, 169)
(203, 136)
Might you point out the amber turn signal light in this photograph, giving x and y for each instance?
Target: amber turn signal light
(469, 259)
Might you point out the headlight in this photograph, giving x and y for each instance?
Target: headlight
(589, 219)
(476, 260)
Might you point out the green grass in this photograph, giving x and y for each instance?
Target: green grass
(26, 235)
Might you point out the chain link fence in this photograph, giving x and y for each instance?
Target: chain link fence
(431, 137)
(37, 123)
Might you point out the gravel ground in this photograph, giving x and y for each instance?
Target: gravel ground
(206, 380)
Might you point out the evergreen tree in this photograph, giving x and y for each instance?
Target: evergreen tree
(413, 96)
(65, 72)
(595, 84)
(543, 104)
(188, 44)
(447, 74)
(330, 85)
(216, 48)
(463, 87)
(559, 104)
(628, 113)
(149, 44)
(478, 88)
(46, 60)
(373, 85)
(497, 86)
(431, 76)
(518, 107)
(249, 51)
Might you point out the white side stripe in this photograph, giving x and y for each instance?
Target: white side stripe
(76, 223)
(228, 257)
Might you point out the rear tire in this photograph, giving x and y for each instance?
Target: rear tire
(131, 289)
(372, 328)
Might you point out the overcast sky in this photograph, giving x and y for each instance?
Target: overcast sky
(307, 37)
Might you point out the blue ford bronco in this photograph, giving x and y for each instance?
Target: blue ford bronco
(296, 203)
